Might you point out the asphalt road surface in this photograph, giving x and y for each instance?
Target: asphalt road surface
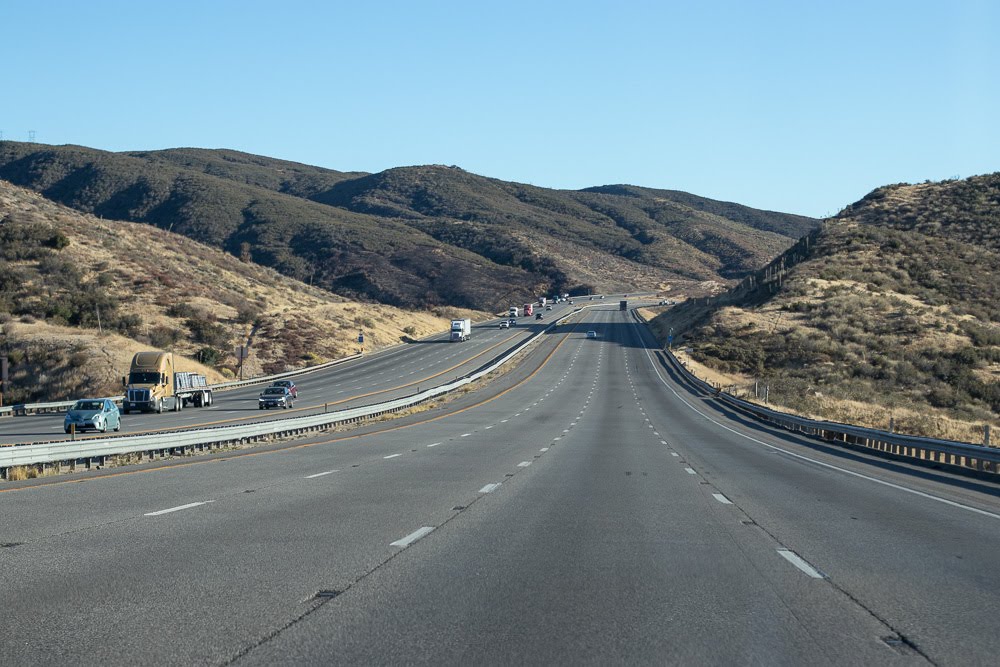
(378, 377)
(585, 507)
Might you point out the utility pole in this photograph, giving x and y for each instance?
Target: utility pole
(3, 376)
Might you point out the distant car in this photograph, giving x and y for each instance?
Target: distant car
(98, 414)
(571, 302)
(548, 307)
(538, 316)
(512, 322)
(275, 397)
(602, 296)
(289, 385)
(591, 334)
(504, 324)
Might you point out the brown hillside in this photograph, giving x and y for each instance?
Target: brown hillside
(60, 270)
(892, 310)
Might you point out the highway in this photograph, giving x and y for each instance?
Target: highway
(585, 507)
(381, 376)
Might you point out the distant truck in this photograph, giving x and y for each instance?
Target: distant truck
(461, 330)
(623, 305)
(542, 301)
(529, 308)
(153, 384)
(513, 311)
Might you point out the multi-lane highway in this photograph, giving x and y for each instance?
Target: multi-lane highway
(396, 372)
(586, 507)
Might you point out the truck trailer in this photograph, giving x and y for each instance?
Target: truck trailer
(461, 330)
(153, 384)
(529, 308)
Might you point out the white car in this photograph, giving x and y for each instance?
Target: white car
(505, 324)
(591, 334)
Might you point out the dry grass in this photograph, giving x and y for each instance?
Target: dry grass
(150, 270)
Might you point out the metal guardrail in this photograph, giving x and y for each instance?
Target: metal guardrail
(94, 451)
(963, 455)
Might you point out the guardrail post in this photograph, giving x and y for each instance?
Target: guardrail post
(986, 435)
(326, 407)
(72, 431)
(892, 424)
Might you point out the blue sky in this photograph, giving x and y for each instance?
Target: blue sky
(793, 106)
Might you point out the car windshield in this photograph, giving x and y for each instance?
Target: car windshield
(89, 405)
(278, 391)
(135, 377)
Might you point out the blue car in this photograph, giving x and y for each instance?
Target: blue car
(98, 414)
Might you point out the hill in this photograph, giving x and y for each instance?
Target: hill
(412, 236)
(891, 310)
(79, 295)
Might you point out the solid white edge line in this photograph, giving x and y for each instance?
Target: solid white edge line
(722, 499)
(391, 456)
(412, 537)
(876, 480)
(320, 474)
(800, 563)
(178, 508)
(489, 488)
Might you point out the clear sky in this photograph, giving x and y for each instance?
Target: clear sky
(801, 106)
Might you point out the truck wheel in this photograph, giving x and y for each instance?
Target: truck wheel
(159, 406)
(211, 398)
(125, 411)
(199, 400)
(118, 426)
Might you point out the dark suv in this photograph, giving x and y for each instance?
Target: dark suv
(287, 384)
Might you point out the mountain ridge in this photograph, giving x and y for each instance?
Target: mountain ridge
(412, 236)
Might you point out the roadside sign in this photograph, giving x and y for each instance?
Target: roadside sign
(361, 336)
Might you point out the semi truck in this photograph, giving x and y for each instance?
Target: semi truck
(461, 330)
(542, 301)
(513, 312)
(529, 308)
(153, 385)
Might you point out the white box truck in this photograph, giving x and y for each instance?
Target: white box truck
(461, 330)
(514, 312)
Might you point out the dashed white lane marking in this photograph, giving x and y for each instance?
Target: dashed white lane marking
(412, 537)
(722, 499)
(663, 442)
(690, 471)
(489, 488)
(565, 430)
(828, 466)
(391, 456)
(488, 428)
(178, 508)
(674, 454)
(798, 562)
(504, 421)
(466, 435)
(524, 464)
(435, 444)
(320, 474)
(544, 449)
